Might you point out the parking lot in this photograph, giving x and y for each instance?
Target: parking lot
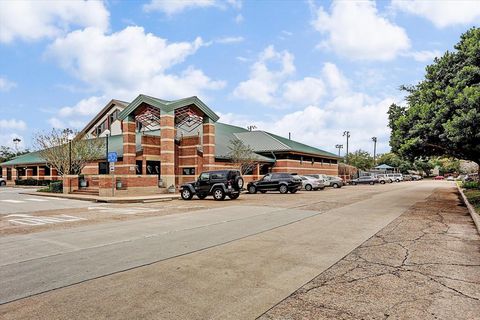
(22, 213)
(193, 259)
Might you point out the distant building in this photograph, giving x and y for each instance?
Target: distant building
(160, 142)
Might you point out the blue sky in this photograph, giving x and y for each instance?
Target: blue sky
(312, 68)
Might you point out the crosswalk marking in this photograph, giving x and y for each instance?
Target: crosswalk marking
(12, 201)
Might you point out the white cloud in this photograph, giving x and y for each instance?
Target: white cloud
(322, 127)
(171, 7)
(264, 82)
(424, 55)
(124, 64)
(239, 18)
(129, 62)
(12, 124)
(227, 40)
(442, 13)
(355, 30)
(306, 91)
(33, 20)
(85, 107)
(334, 78)
(6, 85)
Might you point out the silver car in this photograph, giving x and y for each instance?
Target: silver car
(310, 183)
(334, 182)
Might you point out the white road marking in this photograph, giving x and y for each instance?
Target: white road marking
(25, 219)
(128, 211)
(36, 199)
(12, 201)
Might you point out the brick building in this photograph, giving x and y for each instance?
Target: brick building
(162, 143)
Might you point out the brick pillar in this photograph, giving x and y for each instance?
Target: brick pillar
(167, 148)
(129, 146)
(29, 173)
(41, 172)
(208, 143)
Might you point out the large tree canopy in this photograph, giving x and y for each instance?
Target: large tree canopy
(442, 116)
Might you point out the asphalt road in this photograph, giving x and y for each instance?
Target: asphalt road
(232, 262)
(13, 201)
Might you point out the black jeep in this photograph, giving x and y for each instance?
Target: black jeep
(218, 183)
(282, 182)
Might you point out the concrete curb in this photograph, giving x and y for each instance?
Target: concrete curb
(148, 199)
(471, 209)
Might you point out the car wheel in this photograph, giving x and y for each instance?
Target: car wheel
(201, 196)
(186, 194)
(293, 190)
(335, 185)
(252, 189)
(3, 183)
(354, 183)
(372, 183)
(308, 187)
(239, 182)
(218, 194)
(234, 196)
(283, 189)
(382, 182)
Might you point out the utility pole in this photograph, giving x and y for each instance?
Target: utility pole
(374, 139)
(339, 146)
(346, 134)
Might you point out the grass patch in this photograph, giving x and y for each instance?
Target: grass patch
(473, 196)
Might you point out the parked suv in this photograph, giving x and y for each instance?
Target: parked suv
(282, 182)
(3, 182)
(218, 183)
(397, 177)
(365, 179)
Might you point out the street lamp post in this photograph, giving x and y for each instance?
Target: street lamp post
(346, 134)
(16, 141)
(107, 135)
(339, 146)
(374, 139)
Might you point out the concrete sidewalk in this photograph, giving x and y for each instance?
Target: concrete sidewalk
(423, 265)
(130, 199)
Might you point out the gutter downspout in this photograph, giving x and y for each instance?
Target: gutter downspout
(274, 157)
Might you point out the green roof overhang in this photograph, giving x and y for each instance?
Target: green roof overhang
(168, 106)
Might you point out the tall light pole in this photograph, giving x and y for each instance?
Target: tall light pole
(374, 139)
(16, 141)
(107, 134)
(339, 146)
(346, 134)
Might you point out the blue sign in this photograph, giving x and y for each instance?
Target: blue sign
(112, 157)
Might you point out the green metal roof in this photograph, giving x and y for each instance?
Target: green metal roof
(224, 133)
(300, 147)
(167, 106)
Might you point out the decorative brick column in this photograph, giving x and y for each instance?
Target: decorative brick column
(208, 143)
(167, 148)
(129, 146)
(41, 172)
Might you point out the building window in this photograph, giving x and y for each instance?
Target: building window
(34, 171)
(102, 168)
(153, 167)
(188, 171)
(138, 166)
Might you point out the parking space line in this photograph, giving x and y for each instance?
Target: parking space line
(36, 199)
(12, 201)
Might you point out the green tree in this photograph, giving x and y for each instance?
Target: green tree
(7, 153)
(442, 116)
(243, 156)
(361, 159)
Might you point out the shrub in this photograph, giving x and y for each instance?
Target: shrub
(32, 182)
(471, 185)
(56, 187)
